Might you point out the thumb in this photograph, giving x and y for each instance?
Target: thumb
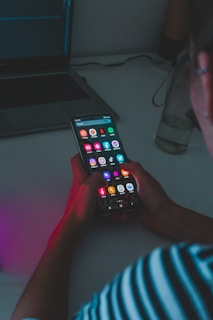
(135, 169)
(96, 181)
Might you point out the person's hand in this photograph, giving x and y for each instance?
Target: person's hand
(80, 206)
(83, 193)
(155, 202)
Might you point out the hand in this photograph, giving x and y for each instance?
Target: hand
(81, 203)
(155, 202)
(83, 193)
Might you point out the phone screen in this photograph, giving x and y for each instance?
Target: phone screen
(101, 150)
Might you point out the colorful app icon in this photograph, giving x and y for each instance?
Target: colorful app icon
(92, 162)
(120, 188)
(92, 132)
(115, 143)
(106, 145)
(97, 146)
(88, 147)
(130, 186)
(102, 131)
(124, 173)
(102, 160)
(102, 192)
(115, 174)
(120, 158)
(83, 133)
(106, 175)
(111, 130)
(111, 190)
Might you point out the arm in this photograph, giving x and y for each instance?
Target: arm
(46, 294)
(165, 217)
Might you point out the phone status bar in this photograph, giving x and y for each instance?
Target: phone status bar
(92, 122)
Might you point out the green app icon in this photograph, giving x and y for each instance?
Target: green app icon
(110, 130)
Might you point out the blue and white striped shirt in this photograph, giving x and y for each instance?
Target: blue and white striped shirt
(174, 283)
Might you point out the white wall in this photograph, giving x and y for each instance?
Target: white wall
(103, 27)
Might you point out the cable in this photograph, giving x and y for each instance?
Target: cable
(116, 64)
(121, 63)
(166, 79)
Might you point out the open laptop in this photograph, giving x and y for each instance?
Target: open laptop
(38, 89)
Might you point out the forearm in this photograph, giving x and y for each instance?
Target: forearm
(184, 224)
(46, 295)
(181, 224)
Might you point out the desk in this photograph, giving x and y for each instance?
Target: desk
(35, 179)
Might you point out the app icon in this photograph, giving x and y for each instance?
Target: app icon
(111, 130)
(120, 158)
(102, 192)
(111, 190)
(115, 174)
(102, 160)
(92, 162)
(130, 187)
(102, 131)
(97, 146)
(120, 188)
(111, 159)
(124, 173)
(83, 133)
(106, 175)
(88, 147)
(92, 132)
(106, 145)
(115, 144)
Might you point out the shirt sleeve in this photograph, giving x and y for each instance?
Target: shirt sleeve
(30, 319)
(173, 283)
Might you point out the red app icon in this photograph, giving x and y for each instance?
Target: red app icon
(92, 132)
(88, 147)
(101, 130)
(97, 146)
(83, 133)
(102, 192)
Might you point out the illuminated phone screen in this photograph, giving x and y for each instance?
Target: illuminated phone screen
(101, 150)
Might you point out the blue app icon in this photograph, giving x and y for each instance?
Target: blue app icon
(106, 175)
(106, 145)
(120, 158)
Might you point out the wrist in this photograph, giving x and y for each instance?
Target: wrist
(160, 219)
(68, 234)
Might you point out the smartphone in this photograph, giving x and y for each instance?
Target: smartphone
(101, 150)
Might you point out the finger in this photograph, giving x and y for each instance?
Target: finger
(96, 181)
(135, 169)
(87, 196)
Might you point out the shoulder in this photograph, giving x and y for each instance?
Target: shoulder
(174, 282)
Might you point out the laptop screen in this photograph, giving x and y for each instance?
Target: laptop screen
(34, 30)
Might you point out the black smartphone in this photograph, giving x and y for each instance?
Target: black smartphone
(101, 150)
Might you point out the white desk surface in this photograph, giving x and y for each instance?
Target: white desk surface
(35, 178)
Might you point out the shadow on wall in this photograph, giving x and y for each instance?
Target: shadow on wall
(115, 27)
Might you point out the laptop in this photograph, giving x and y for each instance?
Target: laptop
(39, 90)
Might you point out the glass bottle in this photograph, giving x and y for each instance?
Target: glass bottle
(175, 128)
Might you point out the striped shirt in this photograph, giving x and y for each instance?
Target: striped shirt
(174, 283)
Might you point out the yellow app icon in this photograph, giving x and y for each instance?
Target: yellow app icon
(111, 190)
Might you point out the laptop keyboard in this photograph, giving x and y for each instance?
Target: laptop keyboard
(38, 90)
